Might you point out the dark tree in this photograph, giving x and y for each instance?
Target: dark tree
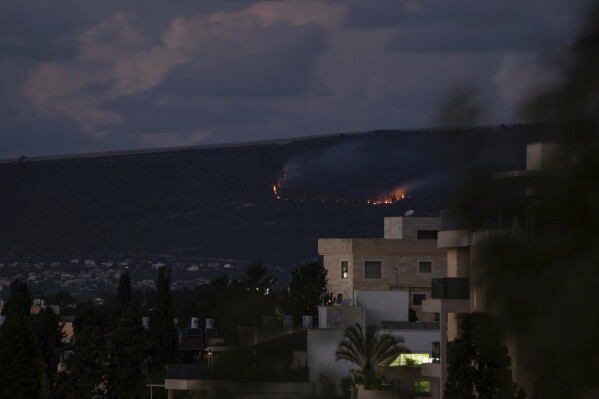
(234, 303)
(20, 362)
(49, 337)
(479, 365)
(124, 290)
(163, 339)
(65, 300)
(85, 376)
(256, 298)
(125, 371)
(19, 301)
(257, 280)
(307, 289)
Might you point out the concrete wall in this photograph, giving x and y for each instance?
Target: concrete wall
(384, 305)
(340, 317)
(542, 156)
(405, 228)
(399, 264)
(458, 262)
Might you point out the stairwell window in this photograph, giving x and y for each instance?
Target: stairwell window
(344, 269)
(426, 234)
(425, 267)
(372, 269)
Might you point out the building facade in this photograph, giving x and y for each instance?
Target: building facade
(406, 259)
(461, 233)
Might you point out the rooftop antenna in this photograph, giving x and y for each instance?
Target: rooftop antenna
(409, 213)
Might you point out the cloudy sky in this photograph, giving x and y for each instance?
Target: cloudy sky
(80, 76)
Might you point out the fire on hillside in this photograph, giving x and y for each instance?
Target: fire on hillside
(293, 194)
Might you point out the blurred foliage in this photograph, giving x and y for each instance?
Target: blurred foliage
(479, 365)
(544, 290)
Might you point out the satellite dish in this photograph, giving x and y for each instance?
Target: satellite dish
(409, 213)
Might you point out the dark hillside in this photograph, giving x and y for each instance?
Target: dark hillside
(219, 202)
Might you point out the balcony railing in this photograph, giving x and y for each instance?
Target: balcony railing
(453, 219)
(188, 372)
(200, 371)
(411, 325)
(300, 374)
(450, 288)
(482, 219)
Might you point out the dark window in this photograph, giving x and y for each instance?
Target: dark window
(372, 269)
(435, 351)
(344, 269)
(417, 299)
(425, 267)
(426, 234)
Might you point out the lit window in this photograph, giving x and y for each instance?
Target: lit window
(344, 269)
(422, 386)
(417, 299)
(425, 267)
(372, 269)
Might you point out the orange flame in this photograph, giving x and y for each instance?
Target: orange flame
(391, 197)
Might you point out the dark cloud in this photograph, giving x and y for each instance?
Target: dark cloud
(441, 37)
(112, 74)
(36, 34)
(469, 25)
(276, 61)
(379, 14)
(33, 136)
(148, 114)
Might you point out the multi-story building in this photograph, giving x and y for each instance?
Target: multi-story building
(405, 260)
(460, 235)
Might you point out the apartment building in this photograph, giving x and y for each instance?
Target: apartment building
(405, 259)
(461, 233)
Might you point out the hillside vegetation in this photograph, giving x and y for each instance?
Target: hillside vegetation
(219, 202)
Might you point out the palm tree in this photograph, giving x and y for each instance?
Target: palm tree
(368, 350)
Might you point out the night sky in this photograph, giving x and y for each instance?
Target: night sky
(79, 76)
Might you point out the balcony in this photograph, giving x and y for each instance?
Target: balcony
(188, 372)
(410, 325)
(237, 373)
(450, 288)
(454, 219)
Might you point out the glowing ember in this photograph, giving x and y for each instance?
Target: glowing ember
(275, 190)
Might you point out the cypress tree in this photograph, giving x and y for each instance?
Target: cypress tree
(163, 339)
(125, 373)
(20, 362)
(124, 290)
(49, 338)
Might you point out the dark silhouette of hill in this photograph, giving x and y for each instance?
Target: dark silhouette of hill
(219, 202)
